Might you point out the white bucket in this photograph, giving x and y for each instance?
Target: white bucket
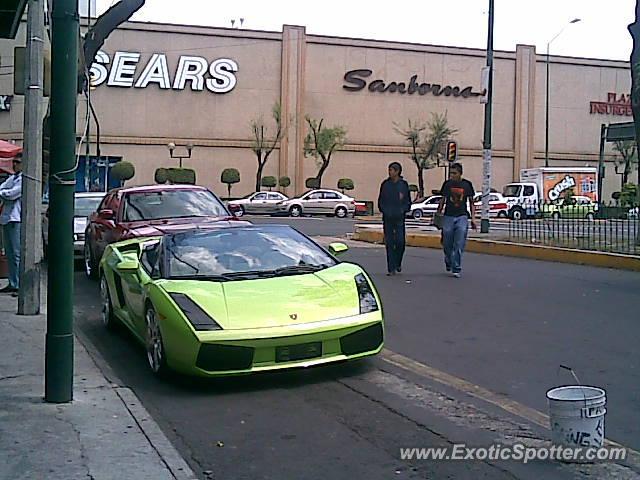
(576, 414)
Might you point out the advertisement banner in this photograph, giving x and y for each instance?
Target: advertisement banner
(557, 184)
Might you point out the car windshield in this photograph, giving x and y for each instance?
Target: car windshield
(244, 252)
(85, 206)
(511, 191)
(172, 204)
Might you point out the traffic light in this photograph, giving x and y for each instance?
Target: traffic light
(452, 151)
(20, 71)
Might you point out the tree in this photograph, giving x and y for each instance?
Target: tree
(312, 182)
(262, 146)
(123, 171)
(345, 184)
(627, 160)
(269, 182)
(321, 142)
(634, 30)
(284, 182)
(161, 175)
(181, 176)
(413, 188)
(230, 176)
(425, 140)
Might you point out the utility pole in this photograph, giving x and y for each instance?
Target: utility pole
(64, 84)
(486, 142)
(31, 224)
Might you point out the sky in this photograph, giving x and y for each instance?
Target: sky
(601, 33)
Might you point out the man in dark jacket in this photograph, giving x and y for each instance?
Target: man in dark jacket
(394, 202)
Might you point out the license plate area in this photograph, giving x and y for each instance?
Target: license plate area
(303, 351)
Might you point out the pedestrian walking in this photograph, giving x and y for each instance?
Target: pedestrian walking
(394, 202)
(456, 193)
(10, 218)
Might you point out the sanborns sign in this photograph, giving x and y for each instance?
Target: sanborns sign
(217, 76)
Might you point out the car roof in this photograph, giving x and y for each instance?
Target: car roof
(90, 194)
(157, 188)
(236, 225)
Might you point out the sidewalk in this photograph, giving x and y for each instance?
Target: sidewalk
(105, 433)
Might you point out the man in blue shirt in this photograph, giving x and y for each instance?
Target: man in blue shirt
(10, 218)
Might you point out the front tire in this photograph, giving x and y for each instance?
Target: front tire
(517, 213)
(108, 317)
(90, 267)
(555, 216)
(295, 211)
(416, 214)
(590, 216)
(341, 212)
(156, 356)
(240, 212)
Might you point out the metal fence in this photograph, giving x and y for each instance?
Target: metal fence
(585, 226)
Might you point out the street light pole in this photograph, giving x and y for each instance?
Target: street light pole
(546, 102)
(64, 81)
(486, 142)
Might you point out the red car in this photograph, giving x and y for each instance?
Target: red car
(147, 211)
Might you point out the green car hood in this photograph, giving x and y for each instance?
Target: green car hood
(275, 302)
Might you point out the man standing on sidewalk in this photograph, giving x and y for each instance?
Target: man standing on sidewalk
(456, 193)
(394, 202)
(10, 218)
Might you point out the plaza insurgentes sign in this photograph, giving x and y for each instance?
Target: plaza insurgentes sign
(555, 185)
(355, 81)
(5, 103)
(615, 105)
(125, 70)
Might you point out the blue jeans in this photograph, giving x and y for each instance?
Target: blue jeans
(11, 235)
(394, 241)
(454, 238)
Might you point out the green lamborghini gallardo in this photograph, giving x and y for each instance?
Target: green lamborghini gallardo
(240, 299)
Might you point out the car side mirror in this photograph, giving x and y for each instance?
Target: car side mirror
(337, 248)
(106, 214)
(128, 266)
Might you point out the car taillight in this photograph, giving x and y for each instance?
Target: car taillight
(500, 206)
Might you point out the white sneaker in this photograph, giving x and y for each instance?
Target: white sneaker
(457, 275)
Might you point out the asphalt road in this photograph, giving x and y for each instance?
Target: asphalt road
(506, 326)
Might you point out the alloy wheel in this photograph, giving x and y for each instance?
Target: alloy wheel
(155, 350)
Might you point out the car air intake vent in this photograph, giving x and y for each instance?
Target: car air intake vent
(363, 340)
(217, 358)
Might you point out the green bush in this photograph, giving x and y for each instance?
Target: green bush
(629, 195)
(345, 184)
(123, 171)
(284, 182)
(312, 183)
(182, 176)
(269, 182)
(230, 176)
(162, 175)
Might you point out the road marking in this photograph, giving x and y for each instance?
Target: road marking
(511, 406)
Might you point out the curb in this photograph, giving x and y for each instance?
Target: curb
(508, 249)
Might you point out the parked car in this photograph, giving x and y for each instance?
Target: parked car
(425, 208)
(498, 206)
(322, 202)
(84, 204)
(146, 211)
(257, 203)
(575, 207)
(240, 300)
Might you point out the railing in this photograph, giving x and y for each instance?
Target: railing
(585, 226)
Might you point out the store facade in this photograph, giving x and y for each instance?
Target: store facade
(158, 83)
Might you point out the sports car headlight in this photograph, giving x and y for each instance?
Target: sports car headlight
(196, 315)
(366, 297)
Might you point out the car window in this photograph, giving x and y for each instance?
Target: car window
(171, 204)
(494, 198)
(314, 196)
(260, 196)
(331, 196)
(105, 202)
(511, 191)
(149, 258)
(241, 250)
(85, 206)
(528, 191)
(274, 196)
(433, 201)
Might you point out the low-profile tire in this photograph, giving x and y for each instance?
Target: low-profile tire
(416, 214)
(503, 214)
(108, 317)
(341, 212)
(295, 211)
(90, 267)
(156, 354)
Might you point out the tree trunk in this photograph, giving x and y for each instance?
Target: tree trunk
(420, 183)
(228, 190)
(259, 176)
(634, 30)
(325, 165)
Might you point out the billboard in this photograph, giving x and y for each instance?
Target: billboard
(555, 185)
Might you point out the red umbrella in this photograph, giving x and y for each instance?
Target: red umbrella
(9, 150)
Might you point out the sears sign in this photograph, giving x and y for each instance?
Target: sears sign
(126, 71)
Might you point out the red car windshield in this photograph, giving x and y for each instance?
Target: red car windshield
(172, 204)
